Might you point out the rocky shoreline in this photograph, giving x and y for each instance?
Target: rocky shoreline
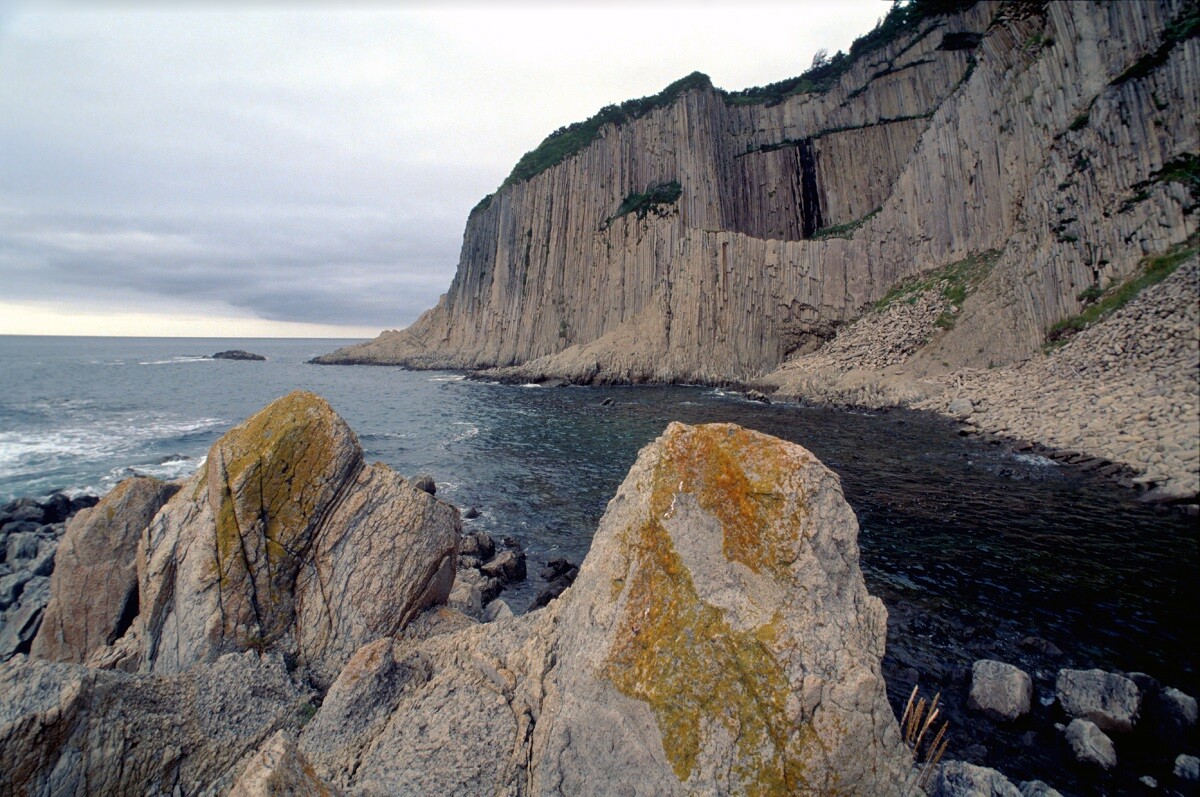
(1047, 739)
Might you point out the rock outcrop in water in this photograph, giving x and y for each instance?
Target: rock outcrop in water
(1054, 141)
(718, 638)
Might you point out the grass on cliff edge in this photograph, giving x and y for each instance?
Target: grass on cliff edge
(956, 282)
(1152, 270)
(904, 17)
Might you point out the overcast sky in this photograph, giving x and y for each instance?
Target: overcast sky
(299, 169)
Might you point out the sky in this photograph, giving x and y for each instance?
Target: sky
(301, 169)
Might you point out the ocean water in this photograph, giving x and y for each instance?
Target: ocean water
(996, 544)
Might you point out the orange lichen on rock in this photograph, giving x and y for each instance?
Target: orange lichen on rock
(680, 654)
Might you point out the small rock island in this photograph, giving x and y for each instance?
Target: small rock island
(237, 354)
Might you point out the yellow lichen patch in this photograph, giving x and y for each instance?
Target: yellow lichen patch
(680, 656)
(269, 481)
(737, 476)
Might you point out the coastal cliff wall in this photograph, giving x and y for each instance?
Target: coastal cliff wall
(1042, 130)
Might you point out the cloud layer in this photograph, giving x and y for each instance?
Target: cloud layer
(299, 164)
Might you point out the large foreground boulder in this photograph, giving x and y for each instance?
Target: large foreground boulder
(94, 588)
(286, 541)
(719, 639)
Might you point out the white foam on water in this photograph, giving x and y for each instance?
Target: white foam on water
(457, 378)
(183, 358)
(531, 384)
(1037, 460)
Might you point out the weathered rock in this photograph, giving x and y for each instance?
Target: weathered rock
(286, 541)
(94, 589)
(1036, 788)
(1090, 744)
(497, 610)
(67, 729)
(1109, 700)
(426, 484)
(278, 769)
(724, 573)
(508, 566)
(237, 354)
(960, 779)
(1187, 769)
(22, 545)
(960, 408)
(718, 639)
(1000, 690)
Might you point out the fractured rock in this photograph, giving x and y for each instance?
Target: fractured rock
(94, 589)
(286, 541)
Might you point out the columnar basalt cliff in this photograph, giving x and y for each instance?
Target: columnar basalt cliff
(1045, 130)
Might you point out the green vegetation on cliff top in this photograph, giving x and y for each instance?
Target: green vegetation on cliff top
(1152, 270)
(903, 18)
(956, 281)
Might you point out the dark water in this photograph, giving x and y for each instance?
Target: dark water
(998, 545)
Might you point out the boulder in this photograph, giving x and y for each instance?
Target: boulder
(1036, 788)
(286, 541)
(960, 408)
(508, 566)
(1000, 690)
(67, 729)
(1109, 700)
(960, 779)
(719, 639)
(23, 544)
(1187, 769)
(1090, 744)
(94, 588)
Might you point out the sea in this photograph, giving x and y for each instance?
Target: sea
(996, 544)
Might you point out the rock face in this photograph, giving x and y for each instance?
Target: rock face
(1044, 133)
(94, 589)
(286, 541)
(718, 639)
(67, 729)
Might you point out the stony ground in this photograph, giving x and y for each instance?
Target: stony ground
(1125, 390)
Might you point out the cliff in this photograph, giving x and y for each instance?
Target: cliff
(707, 236)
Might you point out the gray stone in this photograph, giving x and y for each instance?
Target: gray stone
(496, 610)
(1090, 744)
(11, 587)
(22, 623)
(508, 566)
(21, 546)
(1036, 788)
(1000, 690)
(426, 484)
(960, 779)
(1178, 707)
(960, 408)
(1187, 768)
(1109, 700)
(1148, 782)
(278, 769)
(67, 729)
(94, 589)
